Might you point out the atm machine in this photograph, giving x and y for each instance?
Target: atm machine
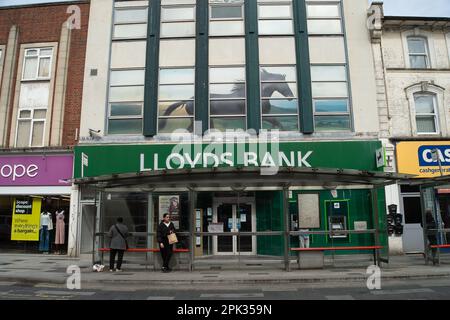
(337, 214)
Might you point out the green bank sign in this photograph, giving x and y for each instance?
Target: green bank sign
(95, 160)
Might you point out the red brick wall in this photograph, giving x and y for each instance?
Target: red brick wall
(42, 23)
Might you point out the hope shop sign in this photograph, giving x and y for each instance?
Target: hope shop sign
(36, 170)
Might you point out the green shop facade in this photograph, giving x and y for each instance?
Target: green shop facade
(237, 200)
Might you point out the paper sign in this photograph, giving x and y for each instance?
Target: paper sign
(215, 227)
(360, 225)
(337, 205)
(243, 217)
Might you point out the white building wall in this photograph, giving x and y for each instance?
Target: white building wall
(361, 67)
(93, 113)
(396, 98)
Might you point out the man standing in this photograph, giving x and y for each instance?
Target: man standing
(165, 228)
(118, 234)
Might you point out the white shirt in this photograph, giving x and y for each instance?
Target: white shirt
(167, 224)
(46, 220)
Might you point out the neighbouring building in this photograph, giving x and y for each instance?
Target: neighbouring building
(42, 57)
(412, 59)
(163, 80)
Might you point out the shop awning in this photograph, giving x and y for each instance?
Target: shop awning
(246, 177)
(441, 181)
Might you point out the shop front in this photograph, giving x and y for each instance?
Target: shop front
(426, 160)
(35, 193)
(241, 200)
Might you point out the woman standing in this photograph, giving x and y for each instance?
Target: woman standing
(165, 228)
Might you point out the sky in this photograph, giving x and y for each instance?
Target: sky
(427, 8)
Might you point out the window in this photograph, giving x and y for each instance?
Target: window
(330, 97)
(34, 97)
(418, 53)
(177, 21)
(37, 64)
(227, 95)
(126, 98)
(275, 17)
(127, 68)
(130, 23)
(279, 103)
(226, 18)
(426, 115)
(176, 99)
(277, 69)
(30, 127)
(324, 18)
(227, 72)
(177, 54)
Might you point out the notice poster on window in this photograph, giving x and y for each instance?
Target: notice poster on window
(26, 219)
(170, 205)
(308, 210)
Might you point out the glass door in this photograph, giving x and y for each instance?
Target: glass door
(226, 212)
(225, 215)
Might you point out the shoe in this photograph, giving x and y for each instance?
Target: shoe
(118, 270)
(111, 270)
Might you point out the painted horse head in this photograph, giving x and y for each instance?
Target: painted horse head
(279, 85)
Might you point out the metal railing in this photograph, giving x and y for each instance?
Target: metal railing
(187, 241)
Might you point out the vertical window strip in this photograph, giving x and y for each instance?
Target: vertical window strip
(278, 80)
(331, 98)
(126, 85)
(176, 88)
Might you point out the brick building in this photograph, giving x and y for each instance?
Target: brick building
(42, 57)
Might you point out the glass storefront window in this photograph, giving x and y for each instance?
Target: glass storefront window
(133, 208)
(32, 207)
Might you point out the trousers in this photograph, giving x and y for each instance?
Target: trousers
(166, 254)
(44, 239)
(112, 258)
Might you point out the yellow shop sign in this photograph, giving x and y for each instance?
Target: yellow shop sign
(426, 159)
(26, 219)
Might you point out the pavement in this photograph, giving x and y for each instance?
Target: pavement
(426, 289)
(53, 269)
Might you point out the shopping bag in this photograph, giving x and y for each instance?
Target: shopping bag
(172, 238)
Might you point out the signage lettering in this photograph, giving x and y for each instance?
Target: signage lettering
(426, 158)
(18, 171)
(205, 160)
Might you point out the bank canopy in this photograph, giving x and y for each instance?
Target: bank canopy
(242, 177)
(234, 165)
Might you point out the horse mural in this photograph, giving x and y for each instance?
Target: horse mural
(220, 102)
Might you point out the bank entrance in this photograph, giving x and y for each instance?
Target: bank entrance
(238, 213)
(235, 215)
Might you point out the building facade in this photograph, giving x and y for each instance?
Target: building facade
(412, 59)
(177, 89)
(42, 57)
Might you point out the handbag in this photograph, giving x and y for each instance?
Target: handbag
(172, 238)
(126, 242)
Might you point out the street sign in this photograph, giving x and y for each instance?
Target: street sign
(379, 155)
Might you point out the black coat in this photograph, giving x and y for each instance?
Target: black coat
(163, 231)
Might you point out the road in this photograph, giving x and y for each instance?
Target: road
(429, 289)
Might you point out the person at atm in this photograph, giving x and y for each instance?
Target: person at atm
(304, 239)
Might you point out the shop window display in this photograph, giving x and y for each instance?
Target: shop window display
(34, 224)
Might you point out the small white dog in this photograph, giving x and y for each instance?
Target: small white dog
(98, 267)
